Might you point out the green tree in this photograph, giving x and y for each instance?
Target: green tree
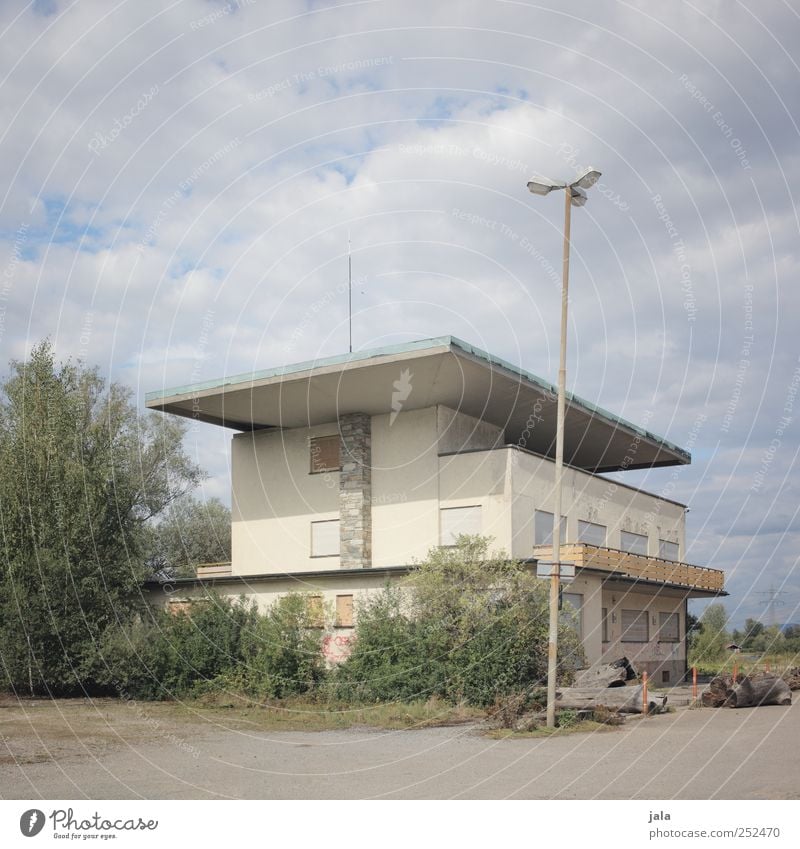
(693, 629)
(769, 640)
(189, 533)
(752, 629)
(709, 644)
(80, 474)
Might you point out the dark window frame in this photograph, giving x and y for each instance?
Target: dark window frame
(314, 453)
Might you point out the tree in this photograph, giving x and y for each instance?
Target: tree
(709, 644)
(693, 629)
(752, 629)
(81, 472)
(189, 533)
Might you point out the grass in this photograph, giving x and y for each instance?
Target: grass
(306, 715)
(585, 726)
(747, 662)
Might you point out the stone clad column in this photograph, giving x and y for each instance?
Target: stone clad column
(355, 491)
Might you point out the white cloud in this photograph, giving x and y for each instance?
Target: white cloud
(238, 149)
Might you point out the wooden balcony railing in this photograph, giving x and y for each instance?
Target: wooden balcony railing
(630, 565)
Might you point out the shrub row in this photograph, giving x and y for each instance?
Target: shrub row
(467, 627)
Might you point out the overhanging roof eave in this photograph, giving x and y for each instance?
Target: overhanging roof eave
(175, 400)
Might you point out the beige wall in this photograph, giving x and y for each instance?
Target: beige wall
(652, 656)
(460, 432)
(414, 475)
(275, 498)
(405, 487)
(590, 498)
(590, 588)
(480, 479)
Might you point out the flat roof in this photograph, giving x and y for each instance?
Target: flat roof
(609, 580)
(445, 371)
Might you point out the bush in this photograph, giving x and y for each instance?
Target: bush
(709, 644)
(217, 645)
(467, 626)
(395, 656)
(281, 655)
(168, 654)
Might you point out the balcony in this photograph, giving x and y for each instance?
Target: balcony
(637, 566)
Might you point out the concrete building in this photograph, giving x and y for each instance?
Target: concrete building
(345, 471)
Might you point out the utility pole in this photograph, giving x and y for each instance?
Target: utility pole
(574, 195)
(772, 601)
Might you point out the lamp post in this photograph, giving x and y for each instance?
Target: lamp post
(573, 194)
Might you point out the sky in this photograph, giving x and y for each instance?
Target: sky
(180, 182)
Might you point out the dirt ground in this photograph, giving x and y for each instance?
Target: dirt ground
(107, 749)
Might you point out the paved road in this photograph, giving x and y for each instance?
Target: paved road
(691, 754)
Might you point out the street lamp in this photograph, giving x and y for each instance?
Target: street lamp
(574, 195)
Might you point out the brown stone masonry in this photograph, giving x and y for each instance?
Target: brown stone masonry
(355, 491)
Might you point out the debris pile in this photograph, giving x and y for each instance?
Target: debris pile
(757, 688)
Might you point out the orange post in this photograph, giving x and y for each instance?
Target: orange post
(735, 672)
(767, 666)
(694, 683)
(644, 693)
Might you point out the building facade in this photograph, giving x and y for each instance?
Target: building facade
(345, 472)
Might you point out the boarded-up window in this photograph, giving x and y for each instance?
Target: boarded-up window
(344, 611)
(543, 528)
(591, 533)
(635, 626)
(572, 611)
(634, 543)
(668, 630)
(325, 538)
(605, 624)
(458, 520)
(668, 550)
(325, 454)
(316, 612)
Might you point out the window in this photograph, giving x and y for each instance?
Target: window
(634, 543)
(543, 528)
(591, 534)
(324, 452)
(669, 629)
(665, 676)
(344, 611)
(605, 624)
(635, 627)
(668, 550)
(325, 538)
(572, 611)
(316, 614)
(458, 520)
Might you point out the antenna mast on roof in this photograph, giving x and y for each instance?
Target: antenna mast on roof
(350, 291)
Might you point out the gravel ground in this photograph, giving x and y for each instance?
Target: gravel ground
(110, 750)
